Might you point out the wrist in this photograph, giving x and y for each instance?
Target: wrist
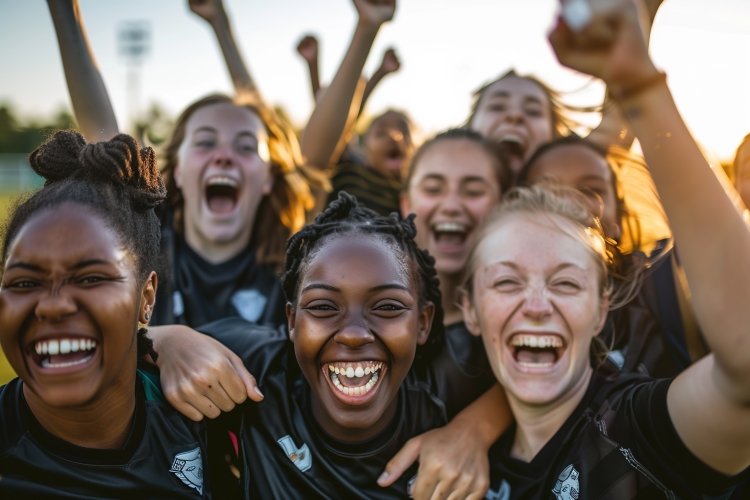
(625, 92)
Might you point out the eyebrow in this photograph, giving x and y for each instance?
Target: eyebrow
(505, 93)
(324, 286)
(78, 265)
(559, 267)
(212, 130)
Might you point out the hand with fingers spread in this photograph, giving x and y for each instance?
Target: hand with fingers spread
(200, 377)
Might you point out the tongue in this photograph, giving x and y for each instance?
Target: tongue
(535, 356)
(354, 382)
(221, 204)
(67, 358)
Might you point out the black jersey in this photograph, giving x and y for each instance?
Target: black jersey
(193, 291)
(163, 456)
(618, 444)
(286, 454)
(372, 188)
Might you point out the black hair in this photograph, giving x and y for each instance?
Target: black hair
(503, 174)
(344, 215)
(115, 179)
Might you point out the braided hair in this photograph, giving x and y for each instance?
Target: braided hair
(115, 179)
(344, 215)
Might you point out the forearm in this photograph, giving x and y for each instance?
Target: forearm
(241, 80)
(487, 417)
(88, 94)
(713, 238)
(336, 108)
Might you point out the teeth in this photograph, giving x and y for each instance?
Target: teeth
(450, 227)
(355, 391)
(350, 372)
(221, 180)
(47, 364)
(537, 341)
(359, 372)
(63, 346)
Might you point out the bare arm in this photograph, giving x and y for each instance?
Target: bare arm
(336, 107)
(709, 403)
(446, 470)
(214, 13)
(88, 94)
(388, 65)
(308, 49)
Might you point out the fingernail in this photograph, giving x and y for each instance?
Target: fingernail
(259, 393)
(383, 477)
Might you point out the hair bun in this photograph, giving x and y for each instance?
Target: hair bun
(57, 158)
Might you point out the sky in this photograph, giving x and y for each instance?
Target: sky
(447, 48)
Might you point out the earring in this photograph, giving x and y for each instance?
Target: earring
(148, 316)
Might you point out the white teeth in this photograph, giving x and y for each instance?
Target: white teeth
(64, 346)
(221, 181)
(54, 347)
(74, 345)
(450, 227)
(359, 372)
(367, 370)
(355, 391)
(350, 372)
(38, 349)
(537, 341)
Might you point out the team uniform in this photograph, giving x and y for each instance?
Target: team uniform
(287, 455)
(619, 443)
(165, 455)
(194, 292)
(373, 189)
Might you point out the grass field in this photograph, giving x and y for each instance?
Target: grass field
(6, 199)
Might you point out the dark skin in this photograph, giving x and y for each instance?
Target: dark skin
(86, 289)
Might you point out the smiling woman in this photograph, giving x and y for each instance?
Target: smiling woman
(73, 312)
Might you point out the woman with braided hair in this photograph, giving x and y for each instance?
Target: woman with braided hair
(355, 377)
(77, 292)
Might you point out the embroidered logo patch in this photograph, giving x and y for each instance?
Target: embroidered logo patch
(502, 493)
(300, 457)
(188, 466)
(249, 303)
(567, 487)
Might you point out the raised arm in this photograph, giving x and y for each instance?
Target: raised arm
(389, 64)
(216, 16)
(709, 403)
(336, 107)
(308, 49)
(613, 130)
(88, 94)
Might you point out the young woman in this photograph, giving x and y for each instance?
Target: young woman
(236, 188)
(77, 292)
(357, 376)
(538, 294)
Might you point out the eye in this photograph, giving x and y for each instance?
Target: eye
(204, 144)
(92, 279)
(496, 106)
(566, 286)
(247, 148)
(533, 111)
(21, 284)
(506, 284)
(389, 308)
(320, 308)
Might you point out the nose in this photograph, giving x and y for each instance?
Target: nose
(513, 114)
(536, 305)
(54, 305)
(222, 156)
(354, 333)
(451, 202)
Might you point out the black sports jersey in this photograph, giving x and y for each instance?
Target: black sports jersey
(193, 291)
(286, 454)
(163, 456)
(618, 443)
(372, 189)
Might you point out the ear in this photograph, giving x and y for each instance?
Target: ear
(291, 316)
(603, 312)
(148, 297)
(470, 314)
(404, 203)
(426, 315)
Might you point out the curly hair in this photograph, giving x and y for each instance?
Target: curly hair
(115, 179)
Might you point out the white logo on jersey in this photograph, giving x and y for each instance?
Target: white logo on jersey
(188, 466)
(178, 306)
(299, 456)
(567, 487)
(249, 303)
(502, 493)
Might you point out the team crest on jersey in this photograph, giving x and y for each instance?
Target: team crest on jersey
(567, 487)
(300, 457)
(502, 493)
(188, 466)
(249, 303)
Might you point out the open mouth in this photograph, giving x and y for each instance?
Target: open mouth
(221, 194)
(511, 146)
(536, 351)
(355, 379)
(451, 234)
(63, 352)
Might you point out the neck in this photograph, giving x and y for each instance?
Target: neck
(537, 424)
(449, 285)
(100, 424)
(216, 252)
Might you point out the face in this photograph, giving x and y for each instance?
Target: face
(516, 113)
(388, 144)
(743, 172)
(69, 309)
(452, 188)
(223, 172)
(537, 304)
(580, 168)
(355, 327)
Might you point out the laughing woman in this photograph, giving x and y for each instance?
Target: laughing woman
(538, 293)
(78, 289)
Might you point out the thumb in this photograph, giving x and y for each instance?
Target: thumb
(251, 385)
(400, 462)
